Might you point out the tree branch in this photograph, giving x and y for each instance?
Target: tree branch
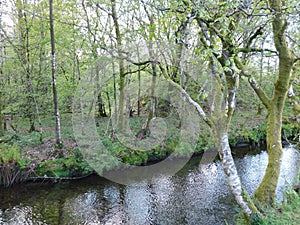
(135, 71)
(248, 50)
(187, 96)
(256, 87)
(258, 32)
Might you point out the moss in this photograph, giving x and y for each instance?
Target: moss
(287, 212)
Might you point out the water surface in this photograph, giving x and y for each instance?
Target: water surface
(198, 194)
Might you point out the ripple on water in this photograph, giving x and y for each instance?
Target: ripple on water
(198, 195)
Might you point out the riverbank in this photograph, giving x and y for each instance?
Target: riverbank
(286, 212)
(24, 157)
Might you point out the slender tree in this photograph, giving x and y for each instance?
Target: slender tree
(53, 67)
(153, 103)
(92, 34)
(122, 82)
(24, 55)
(1, 77)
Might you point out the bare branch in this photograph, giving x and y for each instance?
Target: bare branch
(248, 50)
(187, 96)
(135, 71)
(257, 33)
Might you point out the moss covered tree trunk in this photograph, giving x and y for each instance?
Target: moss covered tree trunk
(266, 192)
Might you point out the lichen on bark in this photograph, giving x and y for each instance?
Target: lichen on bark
(265, 194)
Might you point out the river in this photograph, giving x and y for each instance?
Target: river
(198, 194)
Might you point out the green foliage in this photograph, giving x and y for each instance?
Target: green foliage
(254, 134)
(11, 154)
(73, 165)
(291, 130)
(257, 133)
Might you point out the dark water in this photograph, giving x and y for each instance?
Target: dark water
(198, 194)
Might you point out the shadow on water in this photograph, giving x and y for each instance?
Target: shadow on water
(198, 194)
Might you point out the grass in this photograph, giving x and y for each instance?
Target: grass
(285, 213)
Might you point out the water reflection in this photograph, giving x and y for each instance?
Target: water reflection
(196, 195)
(252, 168)
(115, 214)
(85, 207)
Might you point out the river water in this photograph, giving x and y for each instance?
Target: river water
(198, 194)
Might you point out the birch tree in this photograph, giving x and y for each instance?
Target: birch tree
(53, 67)
(1, 77)
(225, 82)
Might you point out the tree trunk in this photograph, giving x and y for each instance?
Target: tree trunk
(30, 97)
(220, 130)
(139, 94)
(266, 192)
(24, 55)
(121, 119)
(101, 108)
(55, 98)
(108, 101)
(2, 122)
(230, 171)
(139, 87)
(151, 34)
(151, 113)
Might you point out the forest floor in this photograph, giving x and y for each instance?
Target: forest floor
(32, 148)
(245, 128)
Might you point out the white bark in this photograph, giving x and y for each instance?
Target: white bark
(1, 79)
(187, 97)
(231, 173)
(55, 98)
(224, 148)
